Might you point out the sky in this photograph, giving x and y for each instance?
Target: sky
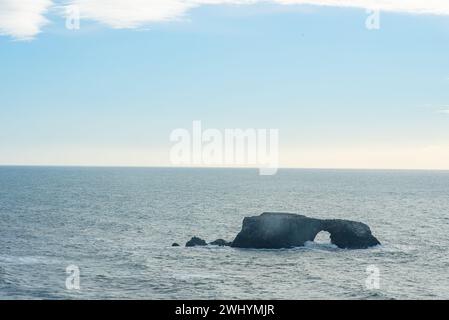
(111, 92)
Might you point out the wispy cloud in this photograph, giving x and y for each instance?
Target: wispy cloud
(135, 13)
(438, 7)
(25, 18)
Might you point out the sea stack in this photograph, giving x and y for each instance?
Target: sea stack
(195, 241)
(273, 230)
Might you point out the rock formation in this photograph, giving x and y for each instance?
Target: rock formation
(195, 241)
(273, 230)
(221, 243)
(286, 230)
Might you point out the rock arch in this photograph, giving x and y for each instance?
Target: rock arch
(286, 230)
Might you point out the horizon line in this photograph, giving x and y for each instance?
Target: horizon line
(210, 167)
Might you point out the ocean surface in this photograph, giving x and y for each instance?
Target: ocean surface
(117, 226)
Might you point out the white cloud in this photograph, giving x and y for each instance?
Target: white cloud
(438, 7)
(131, 14)
(23, 19)
(135, 13)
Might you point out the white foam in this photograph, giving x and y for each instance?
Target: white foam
(23, 260)
(320, 246)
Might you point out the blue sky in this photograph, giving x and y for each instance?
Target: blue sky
(340, 94)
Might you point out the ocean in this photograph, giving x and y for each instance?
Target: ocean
(116, 225)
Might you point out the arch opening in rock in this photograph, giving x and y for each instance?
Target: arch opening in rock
(323, 237)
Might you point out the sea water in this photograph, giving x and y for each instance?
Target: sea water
(116, 225)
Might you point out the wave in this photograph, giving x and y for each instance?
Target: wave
(320, 246)
(24, 260)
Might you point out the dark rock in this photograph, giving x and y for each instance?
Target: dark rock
(175, 245)
(221, 243)
(350, 234)
(195, 241)
(286, 230)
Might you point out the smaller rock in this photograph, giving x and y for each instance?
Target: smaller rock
(195, 241)
(221, 243)
(175, 245)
